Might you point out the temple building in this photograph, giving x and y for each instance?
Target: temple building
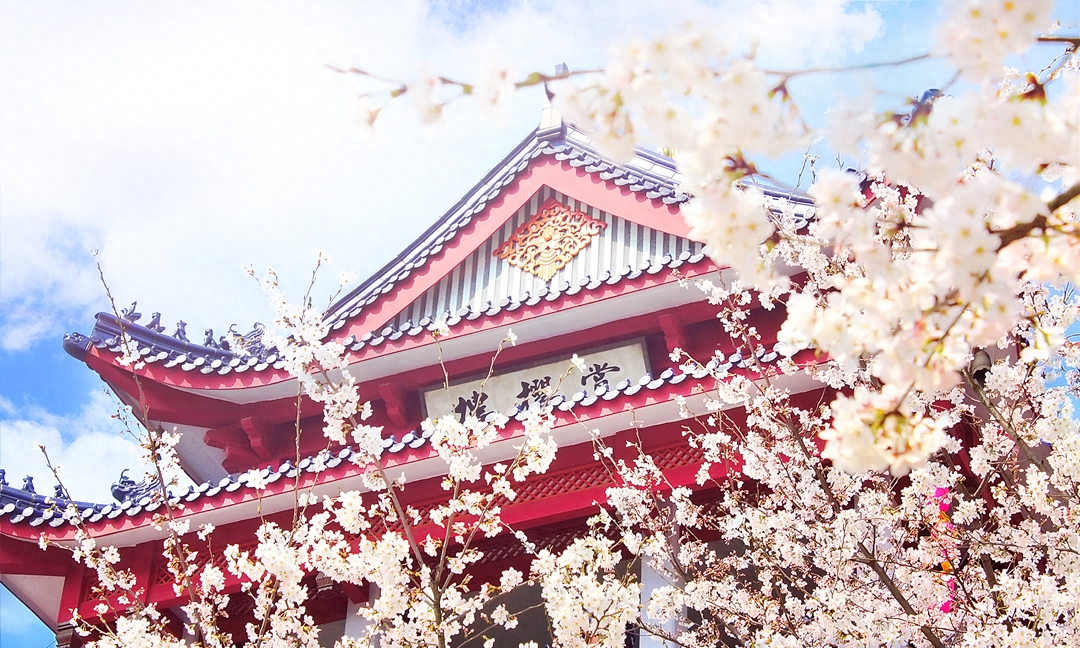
(579, 254)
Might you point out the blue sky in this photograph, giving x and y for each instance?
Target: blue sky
(181, 141)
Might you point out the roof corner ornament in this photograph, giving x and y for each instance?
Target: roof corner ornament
(130, 314)
(181, 331)
(28, 484)
(549, 240)
(3, 477)
(209, 341)
(155, 323)
(128, 490)
(122, 488)
(77, 345)
(250, 344)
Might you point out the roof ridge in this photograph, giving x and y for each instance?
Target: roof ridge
(563, 145)
(531, 139)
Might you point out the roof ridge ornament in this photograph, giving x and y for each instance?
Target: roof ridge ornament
(129, 490)
(551, 121)
(549, 240)
(130, 314)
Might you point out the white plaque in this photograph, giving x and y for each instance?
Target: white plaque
(502, 392)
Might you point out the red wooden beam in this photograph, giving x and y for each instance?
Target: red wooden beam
(142, 563)
(258, 436)
(26, 557)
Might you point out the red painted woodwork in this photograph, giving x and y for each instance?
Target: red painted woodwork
(393, 396)
(157, 380)
(560, 176)
(596, 411)
(259, 437)
(21, 557)
(74, 590)
(674, 332)
(142, 561)
(399, 410)
(560, 499)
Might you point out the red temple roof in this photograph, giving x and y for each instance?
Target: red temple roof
(623, 285)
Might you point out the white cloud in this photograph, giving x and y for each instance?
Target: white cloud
(89, 447)
(183, 140)
(792, 35)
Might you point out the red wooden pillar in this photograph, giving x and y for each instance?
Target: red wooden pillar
(142, 562)
(70, 598)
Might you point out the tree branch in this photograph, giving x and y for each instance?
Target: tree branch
(848, 68)
(1064, 198)
(1021, 230)
(887, 580)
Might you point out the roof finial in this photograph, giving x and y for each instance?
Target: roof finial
(560, 70)
(155, 323)
(122, 489)
(551, 119)
(129, 313)
(181, 331)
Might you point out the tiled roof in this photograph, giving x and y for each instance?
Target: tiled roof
(19, 505)
(158, 347)
(647, 173)
(22, 507)
(510, 304)
(155, 346)
(650, 174)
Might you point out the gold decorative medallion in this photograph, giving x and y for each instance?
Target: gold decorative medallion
(550, 239)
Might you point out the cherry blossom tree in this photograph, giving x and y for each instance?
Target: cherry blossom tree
(933, 498)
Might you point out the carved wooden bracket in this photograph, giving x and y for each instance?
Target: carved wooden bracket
(245, 447)
(394, 395)
(674, 331)
(222, 436)
(550, 239)
(259, 436)
(238, 453)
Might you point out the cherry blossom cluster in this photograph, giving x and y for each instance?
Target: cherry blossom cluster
(417, 560)
(300, 334)
(910, 265)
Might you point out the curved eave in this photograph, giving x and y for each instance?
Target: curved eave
(648, 403)
(633, 193)
(171, 390)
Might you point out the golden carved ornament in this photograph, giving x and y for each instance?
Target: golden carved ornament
(549, 240)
